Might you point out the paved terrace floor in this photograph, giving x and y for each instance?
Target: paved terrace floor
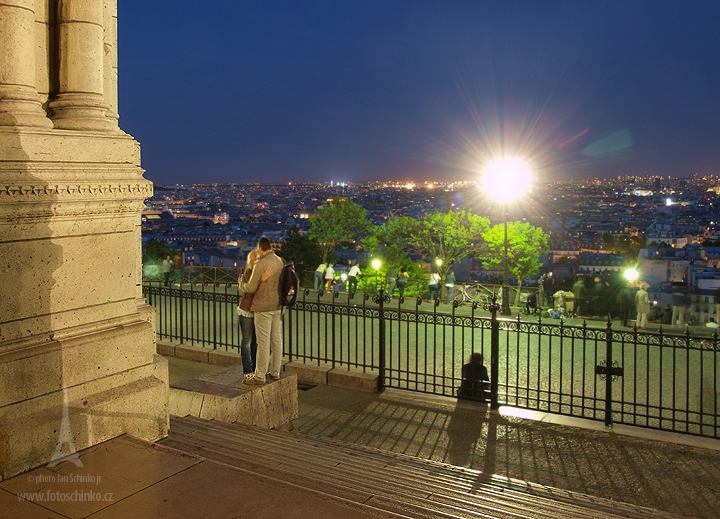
(667, 472)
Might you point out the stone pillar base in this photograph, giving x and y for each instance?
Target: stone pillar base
(72, 111)
(83, 409)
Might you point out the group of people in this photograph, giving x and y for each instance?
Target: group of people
(172, 265)
(434, 282)
(325, 275)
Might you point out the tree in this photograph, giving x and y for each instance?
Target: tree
(526, 243)
(301, 250)
(340, 220)
(393, 240)
(628, 246)
(448, 237)
(156, 251)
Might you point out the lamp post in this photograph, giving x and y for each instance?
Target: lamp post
(506, 180)
(376, 266)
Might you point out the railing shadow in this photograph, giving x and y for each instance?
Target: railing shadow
(677, 479)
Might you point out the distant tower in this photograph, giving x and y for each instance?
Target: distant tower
(657, 183)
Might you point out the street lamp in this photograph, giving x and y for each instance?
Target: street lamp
(631, 275)
(376, 266)
(506, 180)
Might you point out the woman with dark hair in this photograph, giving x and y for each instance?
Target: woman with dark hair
(474, 379)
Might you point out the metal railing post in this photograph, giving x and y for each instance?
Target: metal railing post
(181, 304)
(608, 371)
(381, 352)
(494, 306)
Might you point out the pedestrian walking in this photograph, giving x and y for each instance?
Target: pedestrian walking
(319, 276)
(434, 285)
(166, 267)
(449, 286)
(642, 305)
(352, 278)
(392, 275)
(402, 281)
(329, 276)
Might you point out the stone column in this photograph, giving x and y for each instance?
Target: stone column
(19, 100)
(80, 104)
(110, 88)
(78, 361)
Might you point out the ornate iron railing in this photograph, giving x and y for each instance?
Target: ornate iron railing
(662, 379)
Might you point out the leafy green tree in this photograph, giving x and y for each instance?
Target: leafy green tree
(154, 251)
(628, 246)
(526, 243)
(301, 250)
(393, 240)
(340, 220)
(448, 237)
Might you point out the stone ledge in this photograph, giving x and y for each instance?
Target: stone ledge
(352, 379)
(224, 358)
(191, 352)
(221, 396)
(165, 348)
(309, 373)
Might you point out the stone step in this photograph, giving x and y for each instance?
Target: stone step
(417, 482)
(396, 500)
(393, 482)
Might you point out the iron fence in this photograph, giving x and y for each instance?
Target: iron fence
(655, 379)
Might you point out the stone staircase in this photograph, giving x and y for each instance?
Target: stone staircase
(388, 484)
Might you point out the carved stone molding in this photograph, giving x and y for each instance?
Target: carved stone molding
(69, 191)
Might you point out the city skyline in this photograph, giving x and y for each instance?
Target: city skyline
(361, 91)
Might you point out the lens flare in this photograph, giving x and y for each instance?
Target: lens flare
(506, 179)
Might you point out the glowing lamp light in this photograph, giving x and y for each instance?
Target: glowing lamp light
(376, 264)
(668, 202)
(438, 262)
(506, 179)
(631, 275)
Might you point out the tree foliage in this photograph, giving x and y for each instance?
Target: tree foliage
(449, 236)
(300, 249)
(628, 246)
(393, 240)
(526, 243)
(340, 220)
(154, 251)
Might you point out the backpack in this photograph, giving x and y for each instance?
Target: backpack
(289, 285)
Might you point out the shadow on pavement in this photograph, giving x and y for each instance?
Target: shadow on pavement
(675, 478)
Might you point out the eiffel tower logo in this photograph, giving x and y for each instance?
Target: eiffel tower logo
(65, 438)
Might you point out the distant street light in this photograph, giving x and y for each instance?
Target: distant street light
(376, 266)
(631, 275)
(506, 180)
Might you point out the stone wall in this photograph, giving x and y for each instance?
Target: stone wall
(77, 342)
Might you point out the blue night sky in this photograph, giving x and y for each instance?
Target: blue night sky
(272, 91)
